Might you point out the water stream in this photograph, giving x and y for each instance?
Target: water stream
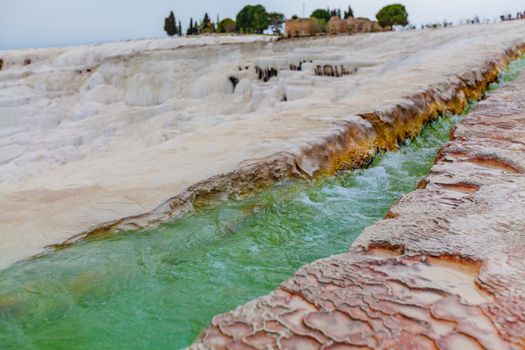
(157, 289)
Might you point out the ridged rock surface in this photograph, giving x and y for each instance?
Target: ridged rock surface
(126, 135)
(444, 270)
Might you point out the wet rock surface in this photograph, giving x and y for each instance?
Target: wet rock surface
(353, 144)
(106, 138)
(443, 270)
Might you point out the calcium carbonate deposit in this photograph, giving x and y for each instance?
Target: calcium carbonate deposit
(93, 134)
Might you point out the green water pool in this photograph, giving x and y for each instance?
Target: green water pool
(157, 289)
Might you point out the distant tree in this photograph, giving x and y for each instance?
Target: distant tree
(335, 13)
(321, 14)
(252, 19)
(191, 28)
(196, 28)
(207, 25)
(317, 26)
(321, 23)
(180, 28)
(170, 26)
(276, 21)
(295, 17)
(391, 15)
(227, 25)
(349, 13)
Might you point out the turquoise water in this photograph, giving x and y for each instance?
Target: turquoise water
(157, 289)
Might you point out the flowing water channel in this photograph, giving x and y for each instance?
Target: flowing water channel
(157, 289)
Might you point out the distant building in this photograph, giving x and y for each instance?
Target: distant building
(310, 26)
(364, 25)
(301, 27)
(337, 25)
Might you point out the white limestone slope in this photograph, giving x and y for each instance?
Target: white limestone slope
(96, 133)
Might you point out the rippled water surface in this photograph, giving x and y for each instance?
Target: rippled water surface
(158, 289)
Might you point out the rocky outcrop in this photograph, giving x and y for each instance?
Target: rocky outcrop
(301, 27)
(337, 25)
(352, 25)
(330, 70)
(443, 270)
(364, 25)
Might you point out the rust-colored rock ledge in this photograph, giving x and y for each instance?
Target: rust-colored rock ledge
(444, 270)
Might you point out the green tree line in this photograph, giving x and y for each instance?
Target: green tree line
(251, 19)
(255, 19)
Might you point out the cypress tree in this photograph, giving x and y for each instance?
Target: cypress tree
(190, 29)
(170, 26)
(206, 24)
(206, 21)
(196, 27)
(349, 13)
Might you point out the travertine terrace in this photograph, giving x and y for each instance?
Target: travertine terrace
(444, 269)
(125, 135)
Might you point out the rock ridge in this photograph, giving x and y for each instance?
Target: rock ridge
(352, 144)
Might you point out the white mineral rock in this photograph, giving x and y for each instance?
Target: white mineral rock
(95, 133)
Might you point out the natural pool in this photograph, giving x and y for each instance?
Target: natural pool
(158, 289)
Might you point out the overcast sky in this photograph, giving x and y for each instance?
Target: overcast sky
(44, 23)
